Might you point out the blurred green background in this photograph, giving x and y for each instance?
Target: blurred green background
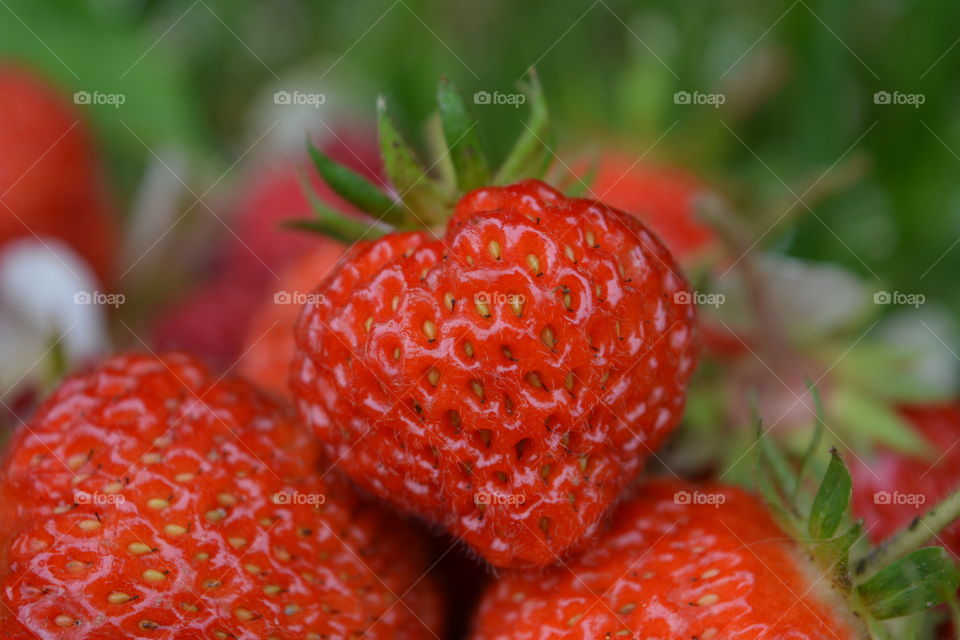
(798, 79)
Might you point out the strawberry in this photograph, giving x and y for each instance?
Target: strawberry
(662, 197)
(149, 499)
(507, 379)
(683, 560)
(269, 345)
(51, 183)
(211, 319)
(893, 487)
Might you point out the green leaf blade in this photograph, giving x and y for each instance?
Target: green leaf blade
(463, 141)
(832, 499)
(353, 187)
(916, 582)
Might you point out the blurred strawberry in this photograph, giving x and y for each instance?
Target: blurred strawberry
(892, 487)
(662, 197)
(51, 185)
(269, 346)
(212, 319)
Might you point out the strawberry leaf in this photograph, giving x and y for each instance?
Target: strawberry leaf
(833, 497)
(463, 141)
(917, 582)
(353, 187)
(531, 155)
(333, 223)
(425, 199)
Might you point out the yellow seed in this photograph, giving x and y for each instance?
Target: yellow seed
(368, 323)
(709, 633)
(516, 303)
(468, 348)
(152, 575)
(174, 529)
(75, 566)
(547, 338)
(138, 548)
(113, 487)
(507, 353)
(201, 557)
(271, 589)
(148, 625)
(76, 461)
(77, 479)
(477, 388)
(494, 249)
(90, 525)
(215, 515)
(710, 598)
(189, 608)
(243, 614)
(567, 301)
(63, 508)
(591, 241)
(211, 584)
(237, 542)
(118, 597)
(430, 330)
(534, 380)
(709, 574)
(486, 435)
(38, 545)
(449, 301)
(227, 499)
(220, 635)
(481, 306)
(568, 251)
(63, 621)
(396, 353)
(568, 381)
(534, 263)
(157, 503)
(470, 260)
(252, 568)
(433, 376)
(394, 303)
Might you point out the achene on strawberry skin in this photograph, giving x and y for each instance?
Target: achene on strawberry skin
(507, 380)
(151, 499)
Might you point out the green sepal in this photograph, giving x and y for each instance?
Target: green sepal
(875, 421)
(333, 223)
(835, 554)
(463, 140)
(771, 471)
(425, 200)
(581, 184)
(811, 451)
(917, 582)
(531, 155)
(832, 499)
(354, 188)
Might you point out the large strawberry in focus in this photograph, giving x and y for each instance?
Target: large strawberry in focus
(51, 182)
(683, 561)
(662, 197)
(269, 346)
(150, 498)
(508, 378)
(893, 487)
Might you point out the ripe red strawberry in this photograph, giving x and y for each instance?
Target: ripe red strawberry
(269, 346)
(507, 379)
(149, 499)
(894, 487)
(671, 569)
(51, 184)
(662, 197)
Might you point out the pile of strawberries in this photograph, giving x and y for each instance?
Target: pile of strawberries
(480, 353)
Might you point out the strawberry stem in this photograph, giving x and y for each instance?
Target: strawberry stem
(919, 532)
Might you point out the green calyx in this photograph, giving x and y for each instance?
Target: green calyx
(424, 197)
(893, 581)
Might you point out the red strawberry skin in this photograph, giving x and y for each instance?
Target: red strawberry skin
(269, 346)
(891, 488)
(506, 381)
(182, 536)
(662, 197)
(673, 571)
(51, 183)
